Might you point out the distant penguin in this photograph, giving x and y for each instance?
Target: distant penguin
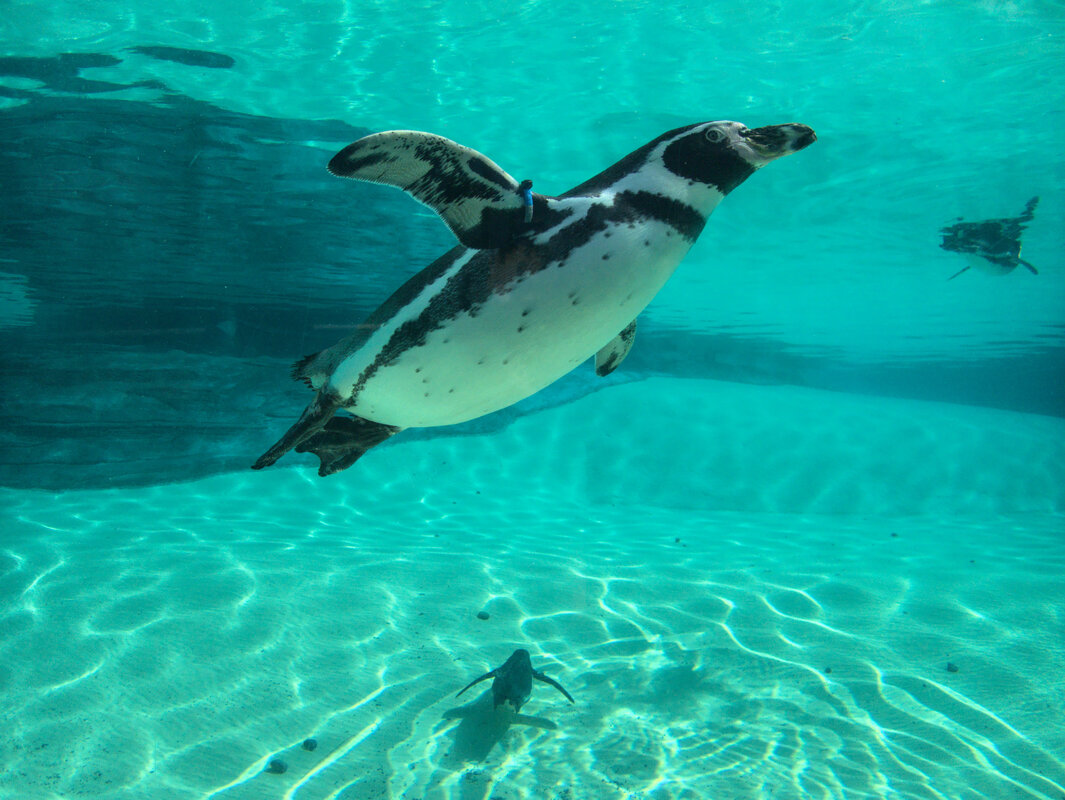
(536, 286)
(993, 245)
(513, 681)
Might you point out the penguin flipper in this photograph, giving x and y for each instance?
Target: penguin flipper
(956, 274)
(610, 357)
(541, 677)
(486, 676)
(1031, 268)
(343, 440)
(476, 198)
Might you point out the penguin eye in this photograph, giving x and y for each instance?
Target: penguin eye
(715, 135)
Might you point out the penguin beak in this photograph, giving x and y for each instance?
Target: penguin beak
(775, 141)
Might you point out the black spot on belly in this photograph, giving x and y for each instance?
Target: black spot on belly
(576, 301)
(606, 256)
(646, 243)
(525, 313)
(417, 369)
(506, 360)
(521, 328)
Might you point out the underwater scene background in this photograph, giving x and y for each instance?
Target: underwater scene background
(806, 542)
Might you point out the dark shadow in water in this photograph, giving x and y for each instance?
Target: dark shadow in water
(481, 728)
(62, 73)
(191, 58)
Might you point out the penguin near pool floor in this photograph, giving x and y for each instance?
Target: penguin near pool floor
(483, 726)
(513, 681)
(536, 286)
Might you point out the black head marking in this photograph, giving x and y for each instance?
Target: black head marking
(705, 158)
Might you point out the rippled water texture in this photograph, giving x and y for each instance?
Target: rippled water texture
(807, 542)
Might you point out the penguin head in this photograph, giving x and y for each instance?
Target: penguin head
(723, 154)
(775, 141)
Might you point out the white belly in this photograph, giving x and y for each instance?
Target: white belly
(518, 342)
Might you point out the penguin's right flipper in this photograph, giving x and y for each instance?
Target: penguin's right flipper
(1031, 268)
(482, 205)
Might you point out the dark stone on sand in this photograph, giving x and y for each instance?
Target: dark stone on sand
(952, 667)
(310, 744)
(482, 615)
(276, 767)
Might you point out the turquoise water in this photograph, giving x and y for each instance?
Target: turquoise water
(805, 543)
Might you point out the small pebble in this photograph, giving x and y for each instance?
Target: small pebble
(310, 744)
(277, 766)
(482, 615)
(952, 667)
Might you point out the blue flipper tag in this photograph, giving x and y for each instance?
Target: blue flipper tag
(525, 190)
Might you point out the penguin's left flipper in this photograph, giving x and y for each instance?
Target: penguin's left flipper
(481, 204)
(486, 676)
(343, 440)
(541, 677)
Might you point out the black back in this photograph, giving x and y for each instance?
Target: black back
(996, 240)
(513, 681)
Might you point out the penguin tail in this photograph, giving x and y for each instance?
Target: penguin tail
(307, 370)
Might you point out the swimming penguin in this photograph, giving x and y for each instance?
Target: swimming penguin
(996, 243)
(513, 681)
(536, 286)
